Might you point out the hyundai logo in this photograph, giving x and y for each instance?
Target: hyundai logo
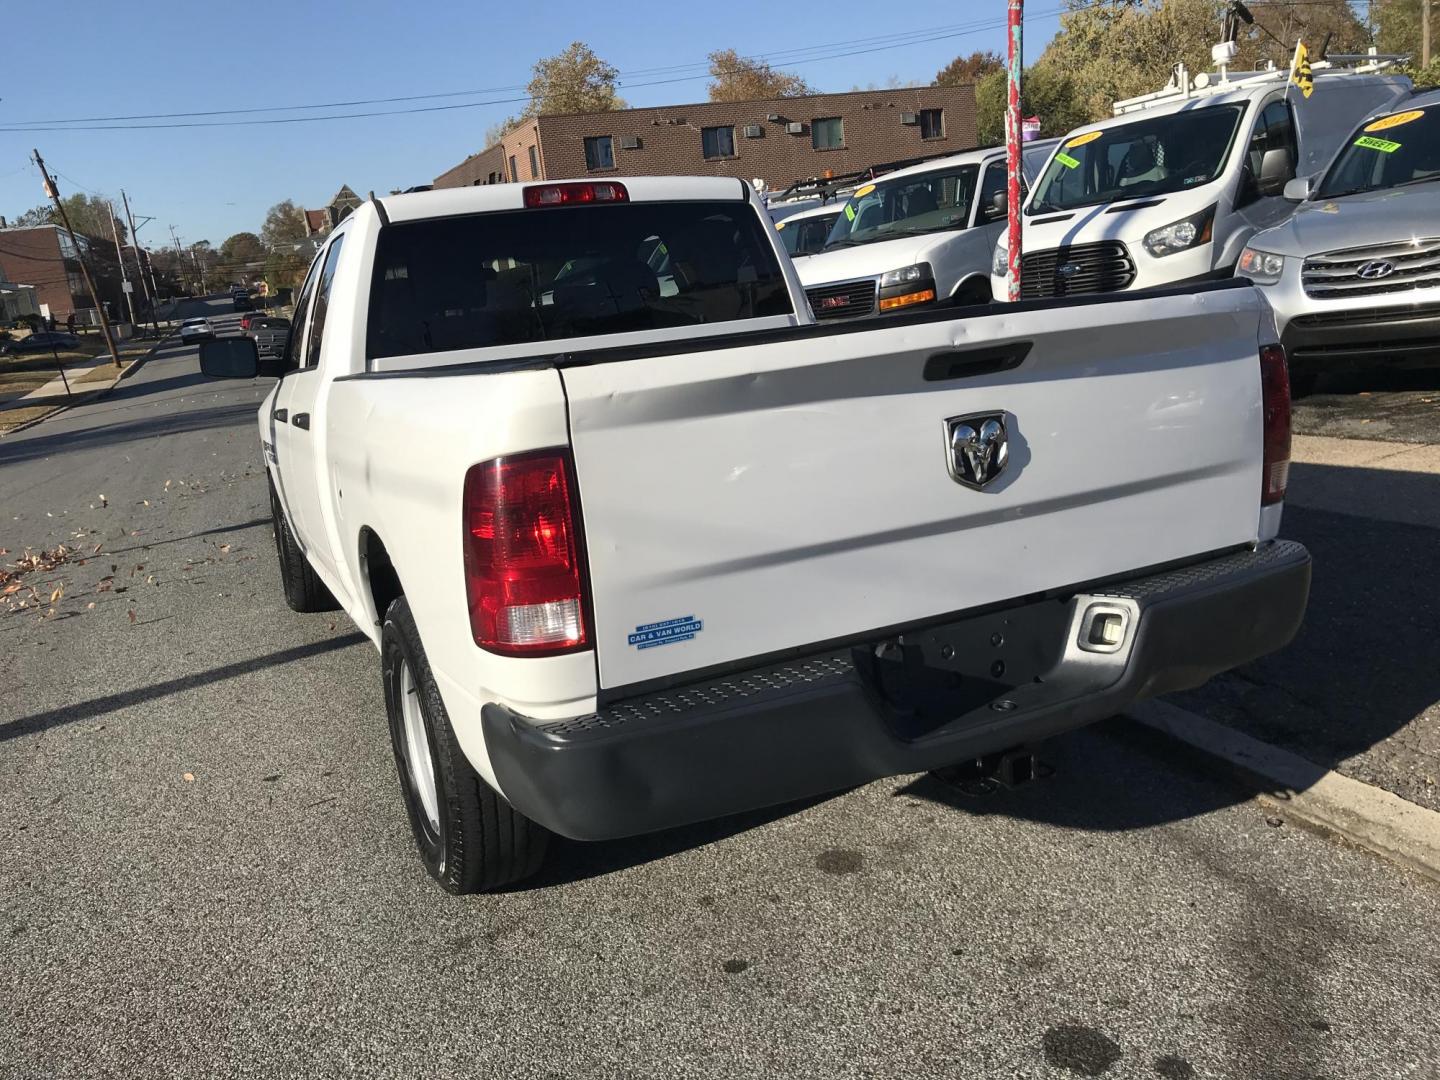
(1375, 269)
(1068, 270)
(977, 448)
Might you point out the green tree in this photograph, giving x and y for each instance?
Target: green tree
(242, 248)
(1046, 91)
(284, 226)
(969, 69)
(36, 215)
(736, 78)
(572, 81)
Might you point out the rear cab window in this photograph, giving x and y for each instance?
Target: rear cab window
(514, 277)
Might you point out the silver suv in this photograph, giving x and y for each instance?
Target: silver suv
(1354, 275)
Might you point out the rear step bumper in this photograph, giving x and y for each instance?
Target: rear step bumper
(834, 720)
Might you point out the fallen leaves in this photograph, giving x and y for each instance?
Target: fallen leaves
(189, 778)
(131, 613)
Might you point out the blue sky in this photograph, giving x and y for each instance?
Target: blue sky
(103, 59)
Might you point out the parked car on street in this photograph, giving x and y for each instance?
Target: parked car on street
(42, 341)
(804, 233)
(270, 333)
(196, 330)
(242, 301)
(636, 557)
(1354, 276)
(918, 237)
(1172, 188)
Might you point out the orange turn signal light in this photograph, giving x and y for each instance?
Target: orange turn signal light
(924, 296)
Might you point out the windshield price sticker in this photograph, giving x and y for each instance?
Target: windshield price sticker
(860, 193)
(1068, 161)
(1396, 120)
(849, 212)
(1081, 140)
(1385, 146)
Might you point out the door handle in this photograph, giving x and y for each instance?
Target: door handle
(280, 415)
(301, 420)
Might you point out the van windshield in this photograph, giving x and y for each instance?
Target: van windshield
(906, 206)
(523, 276)
(1154, 156)
(1403, 148)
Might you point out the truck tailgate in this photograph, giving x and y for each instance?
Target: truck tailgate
(745, 500)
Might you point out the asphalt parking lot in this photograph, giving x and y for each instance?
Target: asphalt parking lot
(208, 871)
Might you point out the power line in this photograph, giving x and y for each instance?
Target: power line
(105, 124)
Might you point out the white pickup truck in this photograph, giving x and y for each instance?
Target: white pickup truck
(641, 544)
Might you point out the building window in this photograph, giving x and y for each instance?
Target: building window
(932, 123)
(534, 164)
(827, 133)
(717, 142)
(599, 152)
(514, 172)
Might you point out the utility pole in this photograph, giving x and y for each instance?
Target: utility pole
(54, 193)
(125, 286)
(139, 262)
(179, 257)
(1425, 33)
(1015, 12)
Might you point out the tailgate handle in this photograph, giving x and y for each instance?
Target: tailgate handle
(301, 420)
(280, 415)
(965, 365)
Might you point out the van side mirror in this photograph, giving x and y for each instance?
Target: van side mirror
(1298, 190)
(1276, 169)
(1000, 205)
(230, 358)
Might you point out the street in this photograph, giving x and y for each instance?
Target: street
(209, 871)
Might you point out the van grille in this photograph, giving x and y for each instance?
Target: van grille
(1097, 268)
(843, 301)
(1388, 268)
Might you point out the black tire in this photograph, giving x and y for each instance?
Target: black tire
(304, 591)
(972, 293)
(478, 841)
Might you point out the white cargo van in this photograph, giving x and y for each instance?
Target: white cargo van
(1172, 188)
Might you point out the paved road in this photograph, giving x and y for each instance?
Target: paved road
(205, 868)
(1398, 406)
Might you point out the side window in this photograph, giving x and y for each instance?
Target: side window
(1274, 130)
(291, 360)
(322, 303)
(996, 181)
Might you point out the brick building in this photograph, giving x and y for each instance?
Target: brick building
(44, 257)
(780, 140)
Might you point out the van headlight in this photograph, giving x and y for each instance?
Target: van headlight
(1261, 267)
(1181, 235)
(905, 275)
(1000, 261)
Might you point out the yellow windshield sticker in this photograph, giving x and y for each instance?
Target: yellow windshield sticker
(779, 225)
(860, 193)
(1385, 146)
(1068, 161)
(849, 212)
(1396, 120)
(1081, 140)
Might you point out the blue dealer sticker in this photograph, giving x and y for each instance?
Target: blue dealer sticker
(669, 632)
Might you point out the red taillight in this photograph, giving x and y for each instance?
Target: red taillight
(575, 194)
(522, 556)
(1275, 390)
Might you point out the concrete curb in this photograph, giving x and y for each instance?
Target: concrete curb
(1370, 817)
(87, 396)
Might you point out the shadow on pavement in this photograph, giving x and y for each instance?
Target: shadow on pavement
(84, 710)
(27, 447)
(239, 526)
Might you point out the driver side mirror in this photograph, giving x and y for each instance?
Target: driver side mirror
(999, 205)
(229, 358)
(1276, 169)
(1298, 190)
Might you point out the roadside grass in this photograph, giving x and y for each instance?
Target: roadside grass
(11, 419)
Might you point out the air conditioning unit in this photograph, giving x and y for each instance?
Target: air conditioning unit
(909, 118)
(629, 142)
(795, 127)
(753, 131)
(774, 118)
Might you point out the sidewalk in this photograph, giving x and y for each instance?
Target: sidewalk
(1358, 691)
(87, 379)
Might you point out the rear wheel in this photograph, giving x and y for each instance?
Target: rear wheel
(304, 591)
(470, 838)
